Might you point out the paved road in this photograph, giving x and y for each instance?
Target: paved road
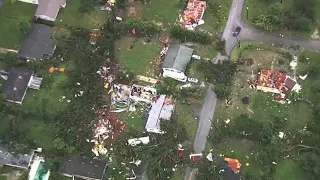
(205, 120)
(251, 34)
(247, 34)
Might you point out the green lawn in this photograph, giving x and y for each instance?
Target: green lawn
(288, 169)
(257, 7)
(216, 23)
(165, 11)
(134, 119)
(185, 116)
(141, 59)
(10, 16)
(3, 177)
(240, 149)
(262, 108)
(70, 16)
(297, 114)
(43, 105)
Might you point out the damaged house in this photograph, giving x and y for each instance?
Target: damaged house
(18, 82)
(193, 14)
(277, 82)
(161, 109)
(176, 61)
(37, 44)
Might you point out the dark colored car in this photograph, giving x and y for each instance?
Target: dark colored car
(236, 31)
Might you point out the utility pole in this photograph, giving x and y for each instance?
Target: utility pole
(238, 41)
(247, 12)
(213, 124)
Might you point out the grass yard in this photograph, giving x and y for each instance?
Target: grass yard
(216, 23)
(134, 119)
(70, 16)
(185, 115)
(165, 11)
(257, 7)
(141, 59)
(240, 149)
(297, 114)
(10, 17)
(261, 107)
(288, 169)
(3, 177)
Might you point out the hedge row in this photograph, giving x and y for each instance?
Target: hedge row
(142, 28)
(193, 36)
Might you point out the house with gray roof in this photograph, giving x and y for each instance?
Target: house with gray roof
(83, 168)
(49, 9)
(18, 82)
(37, 44)
(19, 160)
(176, 61)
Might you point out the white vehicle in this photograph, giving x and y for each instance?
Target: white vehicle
(174, 74)
(193, 80)
(196, 57)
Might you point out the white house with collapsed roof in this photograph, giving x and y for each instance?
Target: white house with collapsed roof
(161, 109)
(176, 61)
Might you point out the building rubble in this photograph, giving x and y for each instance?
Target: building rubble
(193, 14)
(107, 129)
(276, 82)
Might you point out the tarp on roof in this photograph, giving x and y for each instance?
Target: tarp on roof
(234, 164)
(178, 57)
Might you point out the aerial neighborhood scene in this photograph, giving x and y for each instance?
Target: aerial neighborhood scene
(159, 89)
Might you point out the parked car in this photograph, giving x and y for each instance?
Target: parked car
(237, 31)
(193, 80)
(196, 57)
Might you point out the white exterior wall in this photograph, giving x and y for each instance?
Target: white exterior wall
(30, 1)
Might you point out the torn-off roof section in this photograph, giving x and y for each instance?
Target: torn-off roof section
(178, 57)
(153, 119)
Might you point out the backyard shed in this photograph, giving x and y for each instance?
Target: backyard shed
(17, 84)
(176, 61)
(37, 43)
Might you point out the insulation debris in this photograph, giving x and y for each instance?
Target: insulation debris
(137, 141)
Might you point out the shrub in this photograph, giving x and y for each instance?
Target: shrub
(193, 36)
